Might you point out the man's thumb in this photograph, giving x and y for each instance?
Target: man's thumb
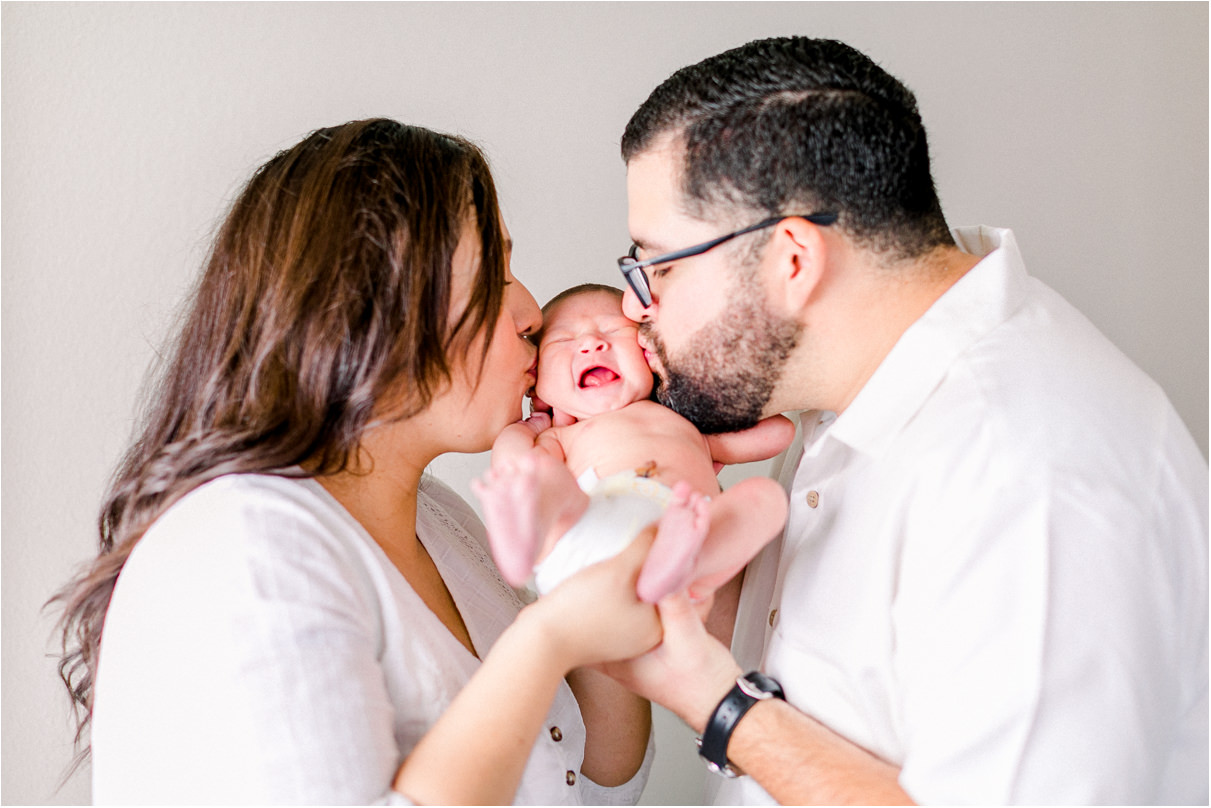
(678, 611)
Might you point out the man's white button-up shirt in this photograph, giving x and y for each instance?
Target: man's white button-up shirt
(994, 573)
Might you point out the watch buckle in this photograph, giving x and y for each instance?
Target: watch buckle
(729, 771)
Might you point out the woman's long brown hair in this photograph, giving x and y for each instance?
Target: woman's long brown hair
(327, 292)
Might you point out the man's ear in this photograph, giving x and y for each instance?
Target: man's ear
(796, 262)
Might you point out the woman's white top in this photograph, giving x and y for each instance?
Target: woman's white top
(261, 648)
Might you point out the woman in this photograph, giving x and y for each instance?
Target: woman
(291, 612)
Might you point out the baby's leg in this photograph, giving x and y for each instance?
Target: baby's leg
(671, 562)
(703, 545)
(744, 519)
(528, 503)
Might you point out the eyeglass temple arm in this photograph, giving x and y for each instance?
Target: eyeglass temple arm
(822, 219)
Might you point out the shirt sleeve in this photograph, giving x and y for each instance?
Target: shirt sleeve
(1036, 637)
(241, 663)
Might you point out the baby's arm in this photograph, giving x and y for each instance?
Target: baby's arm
(520, 438)
(528, 495)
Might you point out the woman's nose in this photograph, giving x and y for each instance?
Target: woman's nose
(526, 313)
(633, 309)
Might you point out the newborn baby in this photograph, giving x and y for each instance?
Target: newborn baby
(568, 489)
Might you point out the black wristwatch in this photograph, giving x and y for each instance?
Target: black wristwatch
(748, 690)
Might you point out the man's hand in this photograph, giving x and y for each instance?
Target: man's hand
(689, 672)
(761, 442)
(791, 755)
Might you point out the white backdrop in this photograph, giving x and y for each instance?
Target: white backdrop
(127, 128)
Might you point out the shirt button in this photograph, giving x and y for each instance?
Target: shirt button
(571, 778)
(772, 615)
(813, 499)
(556, 735)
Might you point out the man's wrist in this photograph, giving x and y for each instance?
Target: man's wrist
(749, 690)
(719, 685)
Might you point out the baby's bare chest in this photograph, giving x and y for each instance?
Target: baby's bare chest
(649, 439)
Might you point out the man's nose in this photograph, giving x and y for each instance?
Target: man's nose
(633, 309)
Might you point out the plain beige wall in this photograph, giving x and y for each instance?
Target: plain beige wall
(127, 129)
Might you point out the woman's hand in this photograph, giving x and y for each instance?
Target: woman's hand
(596, 616)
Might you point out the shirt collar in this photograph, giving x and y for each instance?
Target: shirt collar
(976, 304)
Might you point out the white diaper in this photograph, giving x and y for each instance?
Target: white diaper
(620, 506)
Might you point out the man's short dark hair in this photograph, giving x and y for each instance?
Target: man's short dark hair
(799, 125)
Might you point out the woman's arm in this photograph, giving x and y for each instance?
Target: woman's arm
(491, 725)
(617, 727)
(476, 752)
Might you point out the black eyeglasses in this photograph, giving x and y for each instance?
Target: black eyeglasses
(632, 268)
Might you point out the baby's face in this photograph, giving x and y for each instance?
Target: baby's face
(589, 359)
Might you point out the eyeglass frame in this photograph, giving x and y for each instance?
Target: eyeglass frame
(632, 268)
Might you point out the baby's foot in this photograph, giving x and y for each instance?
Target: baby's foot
(683, 528)
(525, 502)
(509, 495)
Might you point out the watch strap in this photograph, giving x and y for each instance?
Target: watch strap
(749, 689)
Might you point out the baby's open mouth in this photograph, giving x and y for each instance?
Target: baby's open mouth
(597, 376)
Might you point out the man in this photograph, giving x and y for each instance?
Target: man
(993, 582)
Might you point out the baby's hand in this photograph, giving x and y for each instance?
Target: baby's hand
(538, 421)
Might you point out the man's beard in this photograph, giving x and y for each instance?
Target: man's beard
(725, 377)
